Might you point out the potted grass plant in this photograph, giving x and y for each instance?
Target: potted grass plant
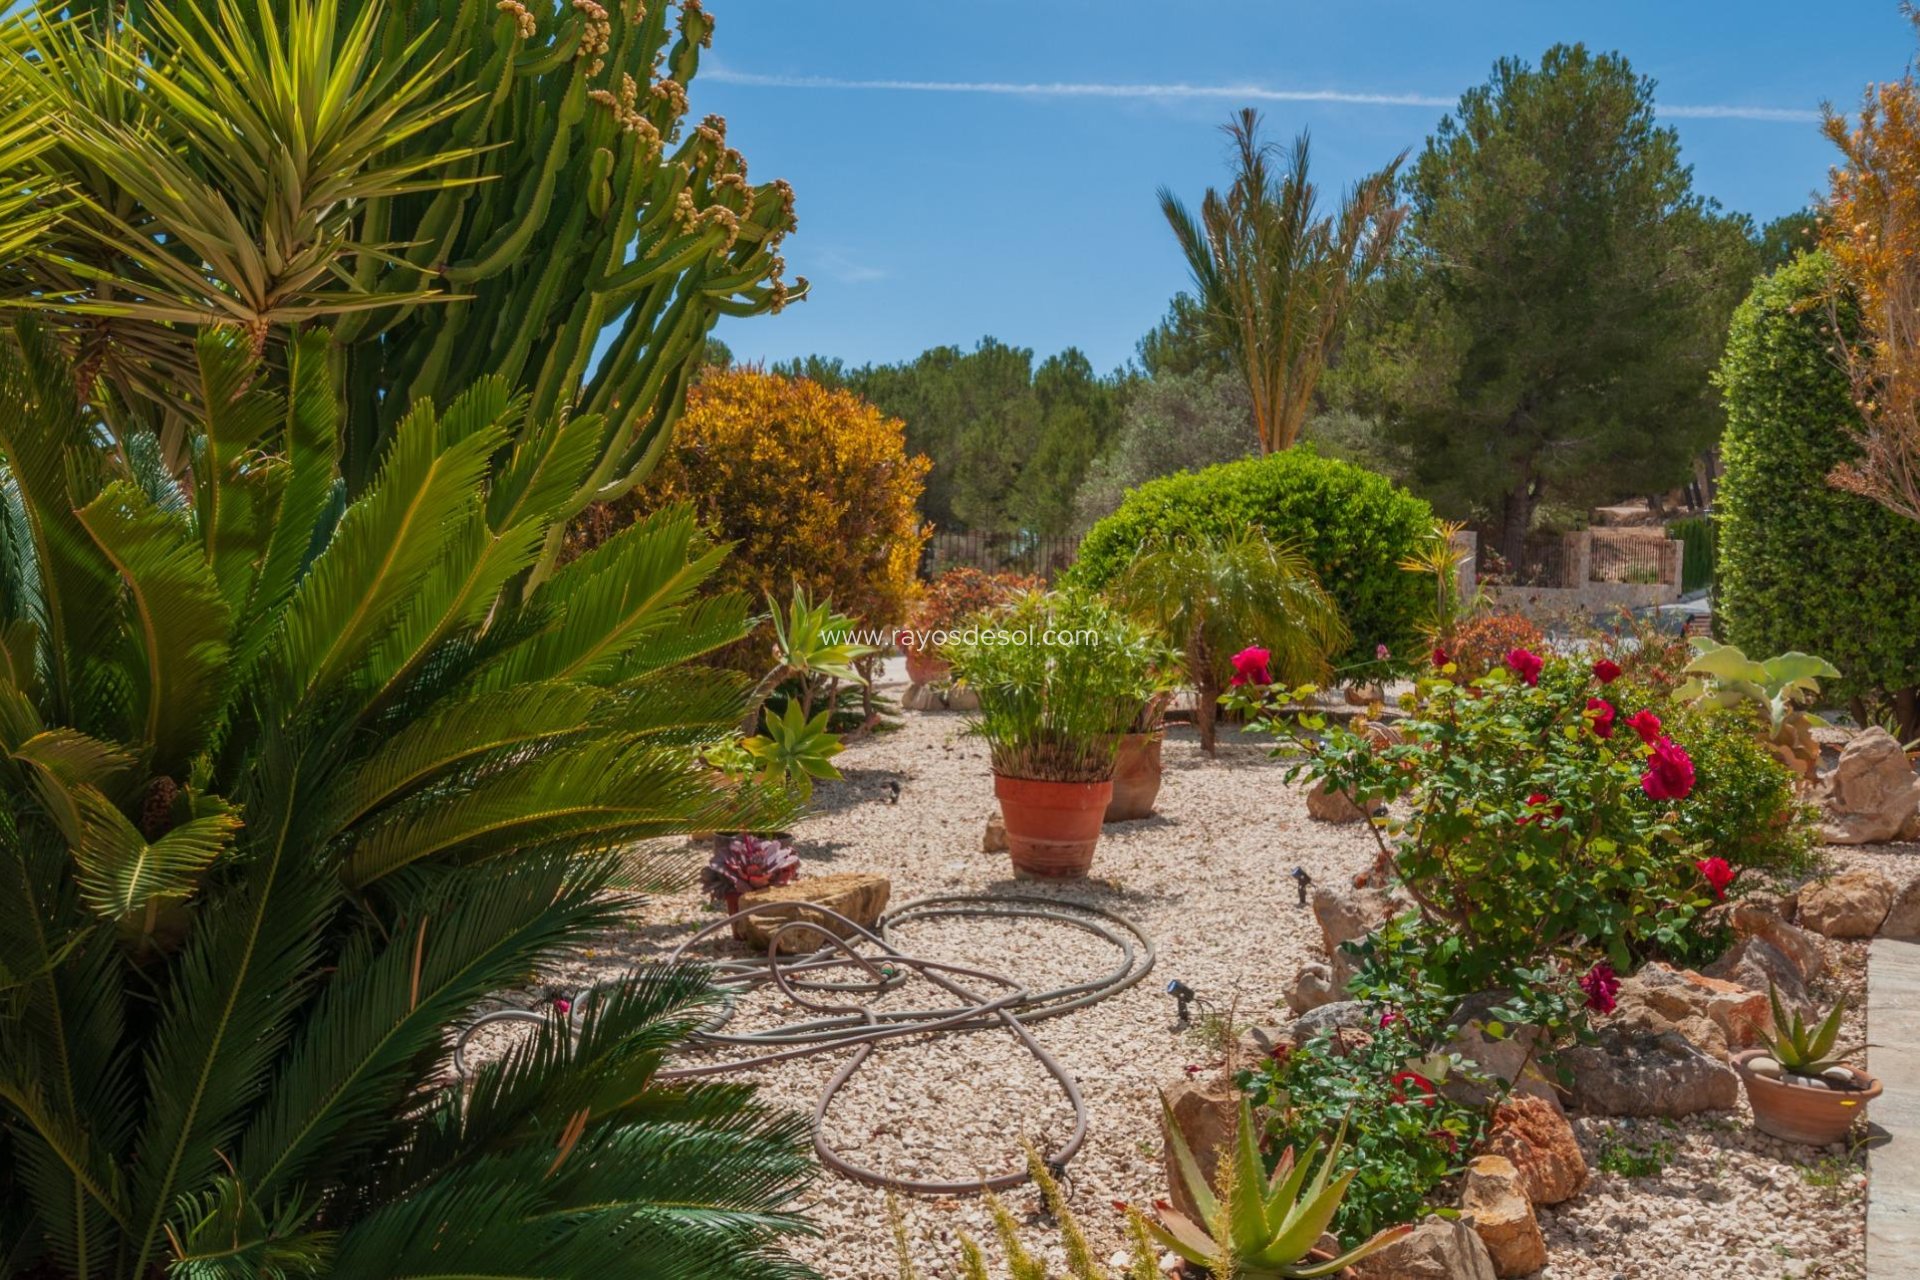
(1060, 677)
(1797, 1085)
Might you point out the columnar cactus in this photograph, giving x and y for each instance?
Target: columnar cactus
(603, 238)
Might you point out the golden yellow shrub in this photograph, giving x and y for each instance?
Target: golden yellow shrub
(813, 485)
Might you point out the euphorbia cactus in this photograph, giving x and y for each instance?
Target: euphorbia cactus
(1263, 1227)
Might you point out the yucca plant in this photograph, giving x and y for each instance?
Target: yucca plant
(290, 782)
(1212, 597)
(1262, 1226)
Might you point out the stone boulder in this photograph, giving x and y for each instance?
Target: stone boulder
(1340, 1015)
(1207, 1112)
(1347, 915)
(922, 697)
(1872, 793)
(859, 897)
(1756, 964)
(1435, 1250)
(1325, 805)
(1803, 950)
(1903, 918)
(1511, 1056)
(1500, 1213)
(1310, 988)
(994, 839)
(1534, 1136)
(1648, 1075)
(1850, 905)
(1716, 1015)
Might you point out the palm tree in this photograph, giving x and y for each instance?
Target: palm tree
(1273, 278)
(287, 783)
(1212, 598)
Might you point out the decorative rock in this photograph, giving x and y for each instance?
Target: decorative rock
(922, 697)
(995, 838)
(1510, 1057)
(1903, 919)
(1310, 988)
(1641, 1075)
(1751, 919)
(859, 897)
(1332, 806)
(1767, 1067)
(1872, 793)
(958, 697)
(1502, 1216)
(1347, 915)
(1340, 1015)
(1716, 1015)
(1207, 1112)
(1850, 905)
(1435, 1250)
(1533, 1134)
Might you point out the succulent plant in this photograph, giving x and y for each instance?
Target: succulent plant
(1263, 1227)
(1800, 1051)
(749, 862)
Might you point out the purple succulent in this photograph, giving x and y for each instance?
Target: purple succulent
(748, 862)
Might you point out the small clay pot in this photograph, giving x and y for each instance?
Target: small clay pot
(1800, 1112)
(925, 668)
(1136, 777)
(1052, 827)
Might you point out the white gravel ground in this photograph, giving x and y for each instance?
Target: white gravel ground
(1207, 878)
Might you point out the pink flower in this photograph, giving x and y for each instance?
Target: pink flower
(1250, 666)
(1390, 1017)
(1526, 664)
(1606, 671)
(1646, 724)
(1718, 875)
(1669, 774)
(1381, 652)
(1601, 984)
(1600, 712)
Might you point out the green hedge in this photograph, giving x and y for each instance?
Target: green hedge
(1696, 551)
(1353, 526)
(1801, 564)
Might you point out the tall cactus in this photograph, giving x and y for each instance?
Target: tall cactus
(563, 225)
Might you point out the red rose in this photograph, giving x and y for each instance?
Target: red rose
(1250, 666)
(1606, 671)
(1600, 712)
(1538, 802)
(1526, 664)
(1669, 774)
(1646, 724)
(1418, 1081)
(1717, 873)
(1441, 658)
(1601, 984)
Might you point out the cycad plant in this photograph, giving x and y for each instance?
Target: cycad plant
(290, 781)
(469, 189)
(1274, 278)
(1210, 597)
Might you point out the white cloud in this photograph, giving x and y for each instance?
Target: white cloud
(1232, 92)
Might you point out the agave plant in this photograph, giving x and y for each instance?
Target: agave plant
(1798, 1049)
(287, 783)
(1264, 1226)
(1775, 689)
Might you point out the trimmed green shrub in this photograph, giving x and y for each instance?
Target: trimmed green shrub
(1353, 526)
(1803, 565)
(1696, 551)
(1748, 812)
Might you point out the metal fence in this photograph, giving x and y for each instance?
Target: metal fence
(1637, 559)
(998, 552)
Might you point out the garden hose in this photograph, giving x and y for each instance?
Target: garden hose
(828, 982)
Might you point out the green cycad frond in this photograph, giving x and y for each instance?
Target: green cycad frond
(120, 872)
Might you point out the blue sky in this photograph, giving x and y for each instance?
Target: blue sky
(936, 215)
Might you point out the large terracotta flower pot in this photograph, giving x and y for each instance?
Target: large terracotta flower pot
(1803, 1112)
(925, 668)
(1051, 826)
(1136, 777)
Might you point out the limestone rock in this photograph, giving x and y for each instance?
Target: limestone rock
(858, 896)
(1803, 950)
(959, 697)
(1310, 988)
(1511, 1056)
(1332, 806)
(922, 697)
(1347, 915)
(1339, 1015)
(1755, 964)
(1435, 1250)
(995, 838)
(1850, 905)
(1903, 920)
(1871, 794)
(1716, 1015)
(1502, 1216)
(1207, 1112)
(1533, 1134)
(1648, 1075)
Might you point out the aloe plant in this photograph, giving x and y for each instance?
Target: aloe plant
(1774, 688)
(1798, 1049)
(1263, 1226)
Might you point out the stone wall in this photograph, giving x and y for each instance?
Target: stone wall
(1578, 592)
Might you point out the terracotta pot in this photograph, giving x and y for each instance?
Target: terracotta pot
(1051, 826)
(1804, 1113)
(1136, 777)
(924, 668)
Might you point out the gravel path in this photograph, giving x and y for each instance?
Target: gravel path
(1207, 879)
